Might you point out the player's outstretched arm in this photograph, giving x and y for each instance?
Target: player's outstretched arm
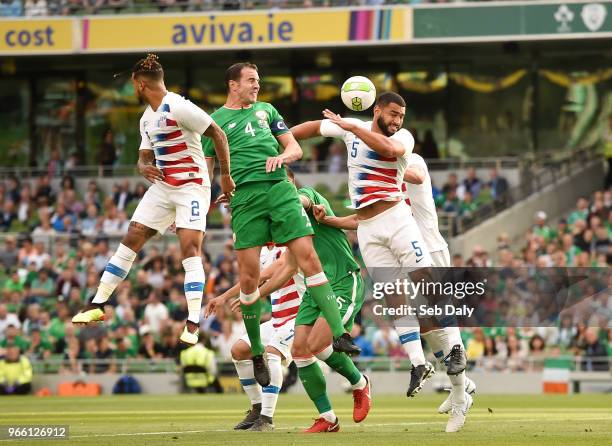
(219, 139)
(414, 175)
(381, 144)
(146, 166)
(286, 268)
(308, 129)
(348, 223)
(234, 291)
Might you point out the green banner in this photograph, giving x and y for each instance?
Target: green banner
(517, 22)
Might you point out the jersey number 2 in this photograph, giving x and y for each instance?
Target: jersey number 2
(195, 208)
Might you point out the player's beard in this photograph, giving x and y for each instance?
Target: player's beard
(383, 126)
(248, 99)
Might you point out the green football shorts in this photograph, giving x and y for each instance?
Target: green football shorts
(350, 293)
(267, 211)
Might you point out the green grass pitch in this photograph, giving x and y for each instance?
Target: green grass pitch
(394, 420)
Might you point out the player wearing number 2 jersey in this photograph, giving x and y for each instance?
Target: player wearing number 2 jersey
(170, 156)
(266, 207)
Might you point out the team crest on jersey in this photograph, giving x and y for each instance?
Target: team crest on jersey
(262, 117)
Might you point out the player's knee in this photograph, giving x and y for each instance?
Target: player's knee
(310, 263)
(248, 281)
(240, 351)
(316, 344)
(190, 250)
(134, 240)
(300, 350)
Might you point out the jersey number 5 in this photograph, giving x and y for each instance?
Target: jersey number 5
(305, 215)
(354, 148)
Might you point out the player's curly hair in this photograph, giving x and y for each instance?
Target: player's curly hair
(149, 67)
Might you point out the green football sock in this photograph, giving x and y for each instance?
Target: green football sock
(314, 382)
(251, 315)
(341, 363)
(324, 297)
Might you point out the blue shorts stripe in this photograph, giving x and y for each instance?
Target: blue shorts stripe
(194, 286)
(116, 271)
(410, 337)
(248, 382)
(271, 389)
(439, 354)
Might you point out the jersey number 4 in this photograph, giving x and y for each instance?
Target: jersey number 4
(249, 129)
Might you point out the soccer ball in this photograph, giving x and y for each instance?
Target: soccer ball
(358, 93)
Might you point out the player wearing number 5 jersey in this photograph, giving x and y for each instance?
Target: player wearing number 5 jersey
(170, 156)
(389, 238)
(266, 207)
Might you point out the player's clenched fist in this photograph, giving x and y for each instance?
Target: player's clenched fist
(319, 213)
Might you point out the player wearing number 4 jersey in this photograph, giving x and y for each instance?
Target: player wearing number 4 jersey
(313, 337)
(389, 238)
(171, 158)
(266, 206)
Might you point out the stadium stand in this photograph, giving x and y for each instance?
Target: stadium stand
(38, 8)
(47, 276)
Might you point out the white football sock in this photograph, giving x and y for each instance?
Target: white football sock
(270, 393)
(408, 329)
(116, 270)
(194, 287)
(247, 380)
(439, 343)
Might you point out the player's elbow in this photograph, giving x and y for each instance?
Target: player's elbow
(417, 178)
(296, 151)
(390, 150)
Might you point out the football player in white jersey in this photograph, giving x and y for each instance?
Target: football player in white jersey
(277, 336)
(389, 238)
(171, 158)
(446, 343)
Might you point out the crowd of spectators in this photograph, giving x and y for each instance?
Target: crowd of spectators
(42, 286)
(464, 197)
(37, 8)
(37, 208)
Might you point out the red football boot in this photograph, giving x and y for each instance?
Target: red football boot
(362, 401)
(321, 425)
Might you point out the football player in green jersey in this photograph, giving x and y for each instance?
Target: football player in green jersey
(266, 206)
(313, 337)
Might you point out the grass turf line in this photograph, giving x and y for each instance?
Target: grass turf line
(394, 420)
